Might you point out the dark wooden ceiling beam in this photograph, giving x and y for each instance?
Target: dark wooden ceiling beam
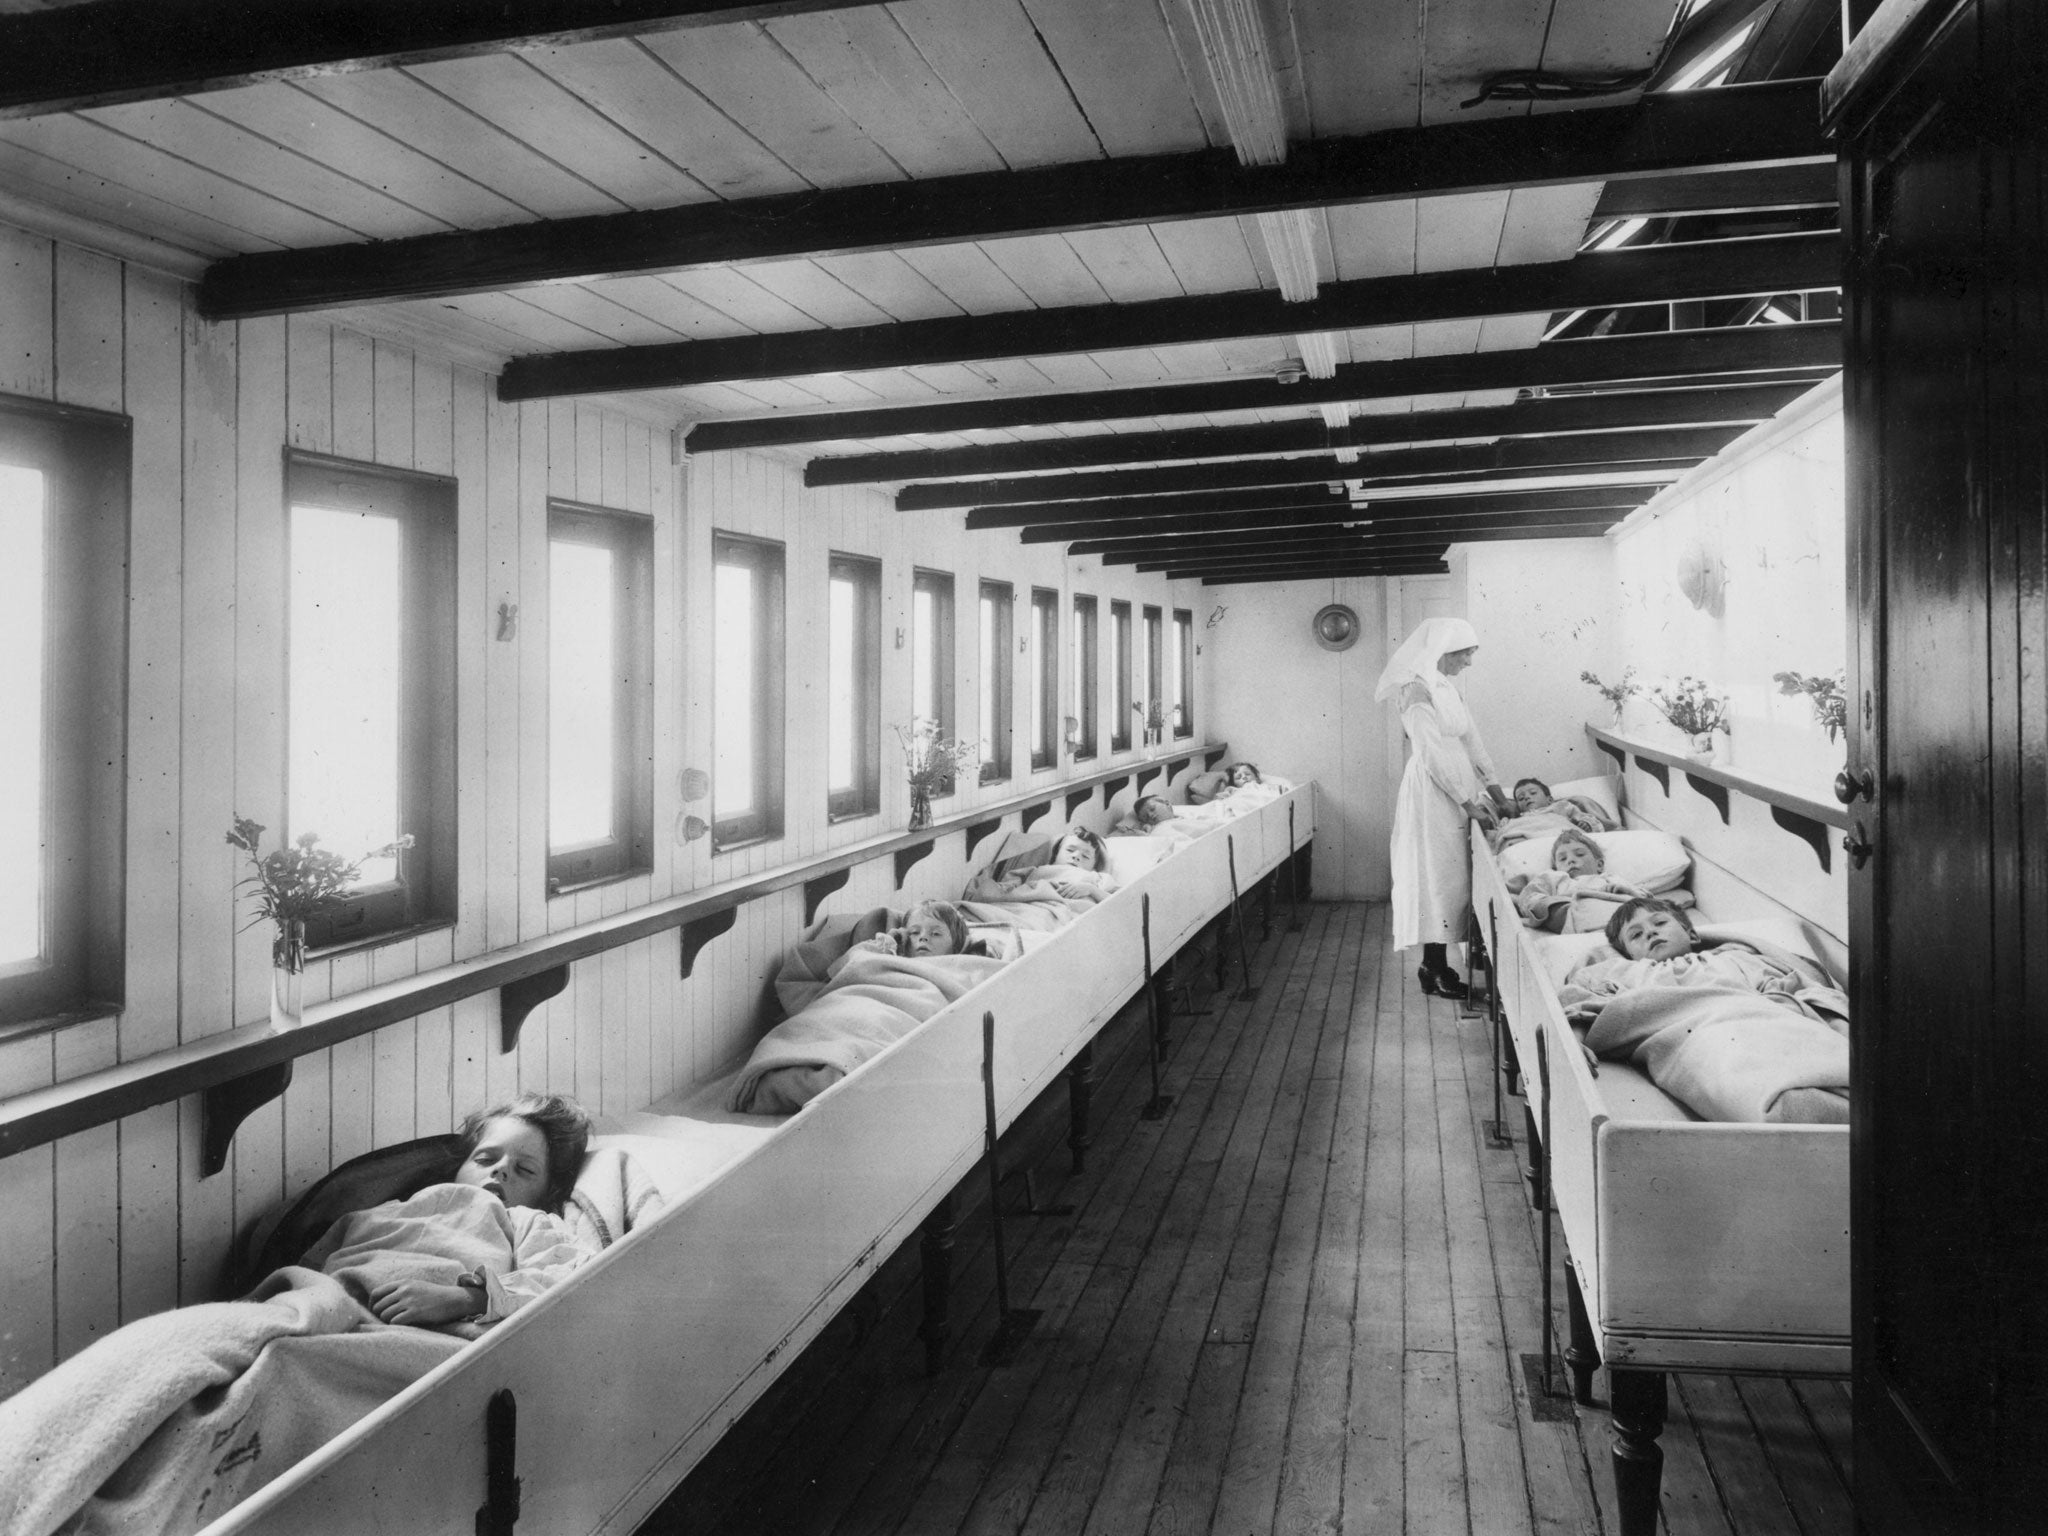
(1321, 572)
(1809, 349)
(1429, 546)
(1292, 498)
(1121, 551)
(1744, 403)
(1766, 125)
(1773, 188)
(1652, 275)
(1498, 504)
(1605, 449)
(111, 51)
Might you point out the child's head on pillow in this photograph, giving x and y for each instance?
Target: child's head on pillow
(932, 928)
(1530, 795)
(1645, 928)
(1242, 774)
(1152, 810)
(526, 1152)
(1081, 849)
(1577, 855)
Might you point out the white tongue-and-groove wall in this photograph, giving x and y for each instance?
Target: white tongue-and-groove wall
(114, 1222)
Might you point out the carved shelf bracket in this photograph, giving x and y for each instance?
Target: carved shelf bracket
(906, 858)
(516, 999)
(979, 830)
(1032, 813)
(1718, 793)
(1211, 759)
(1146, 776)
(1174, 767)
(224, 1106)
(1111, 788)
(1811, 832)
(1620, 757)
(1656, 770)
(1077, 799)
(817, 890)
(700, 931)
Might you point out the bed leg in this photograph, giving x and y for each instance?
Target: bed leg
(1268, 895)
(1080, 1096)
(1639, 1405)
(1539, 1197)
(1223, 926)
(935, 1249)
(1582, 1354)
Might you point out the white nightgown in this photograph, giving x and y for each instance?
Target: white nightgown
(1447, 765)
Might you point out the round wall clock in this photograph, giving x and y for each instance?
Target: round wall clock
(1336, 627)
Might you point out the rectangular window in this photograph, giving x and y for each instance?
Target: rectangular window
(748, 627)
(1155, 663)
(853, 739)
(931, 651)
(371, 687)
(63, 685)
(1120, 711)
(1045, 678)
(1182, 687)
(1086, 658)
(600, 694)
(997, 668)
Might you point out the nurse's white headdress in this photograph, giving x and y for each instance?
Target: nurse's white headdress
(1418, 654)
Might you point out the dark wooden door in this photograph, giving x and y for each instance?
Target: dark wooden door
(1948, 414)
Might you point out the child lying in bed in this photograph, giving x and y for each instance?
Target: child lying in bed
(1574, 895)
(1537, 813)
(1150, 815)
(1219, 783)
(1075, 872)
(167, 1423)
(929, 928)
(1733, 1027)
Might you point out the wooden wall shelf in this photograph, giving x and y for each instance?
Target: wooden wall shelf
(1802, 815)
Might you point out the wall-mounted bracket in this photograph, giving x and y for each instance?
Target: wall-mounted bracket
(817, 890)
(979, 830)
(1146, 776)
(907, 857)
(1656, 770)
(1620, 757)
(1174, 767)
(1031, 813)
(1077, 799)
(516, 999)
(224, 1106)
(1812, 832)
(1111, 788)
(1718, 793)
(1211, 759)
(699, 931)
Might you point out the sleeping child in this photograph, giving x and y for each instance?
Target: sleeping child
(1574, 895)
(1075, 872)
(1537, 813)
(1149, 814)
(1218, 784)
(929, 928)
(165, 1424)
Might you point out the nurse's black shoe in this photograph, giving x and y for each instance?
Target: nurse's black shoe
(1440, 981)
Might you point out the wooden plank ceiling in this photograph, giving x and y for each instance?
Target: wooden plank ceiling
(1241, 288)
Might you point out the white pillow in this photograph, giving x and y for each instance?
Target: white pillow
(1561, 953)
(1130, 857)
(1607, 791)
(1650, 860)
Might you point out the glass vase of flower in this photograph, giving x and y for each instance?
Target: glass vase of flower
(1828, 696)
(292, 885)
(1694, 708)
(930, 762)
(1617, 694)
(1152, 721)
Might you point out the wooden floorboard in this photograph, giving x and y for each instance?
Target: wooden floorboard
(1297, 1303)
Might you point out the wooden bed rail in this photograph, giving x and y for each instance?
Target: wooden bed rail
(237, 1070)
(1803, 816)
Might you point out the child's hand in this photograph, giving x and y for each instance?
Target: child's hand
(422, 1303)
(881, 944)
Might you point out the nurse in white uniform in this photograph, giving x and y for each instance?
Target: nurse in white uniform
(1447, 784)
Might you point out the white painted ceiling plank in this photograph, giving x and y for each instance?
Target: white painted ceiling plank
(610, 318)
(533, 107)
(1512, 333)
(1207, 255)
(863, 60)
(1373, 239)
(1127, 262)
(1604, 37)
(1047, 269)
(733, 291)
(891, 284)
(392, 100)
(1119, 62)
(824, 298)
(966, 275)
(1446, 338)
(1464, 41)
(639, 93)
(70, 189)
(545, 330)
(746, 74)
(1453, 233)
(989, 56)
(1360, 63)
(662, 301)
(1546, 223)
(308, 126)
(1073, 371)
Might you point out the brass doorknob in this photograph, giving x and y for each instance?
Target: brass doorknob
(1849, 785)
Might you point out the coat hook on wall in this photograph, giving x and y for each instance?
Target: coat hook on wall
(508, 621)
(899, 637)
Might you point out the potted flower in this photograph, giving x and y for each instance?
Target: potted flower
(1617, 693)
(293, 884)
(1696, 710)
(930, 764)
(1827, 695)
(1152, 720)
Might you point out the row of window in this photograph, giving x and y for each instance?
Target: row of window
(371, 703)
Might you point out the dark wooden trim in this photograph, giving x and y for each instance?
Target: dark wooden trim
(1618, 450)
(1805, 806)
(98, 1098)
(113, 51)
(1319, 572)
(1620, 757)
(1658, 768)
(1811, 832)
(516, 999)
(1077, 799)
(1548, 525)
(1812, 349)
(1763, 187)
(1765, 125)
(1145, 776)
(1895, 28)
(906, 858)
(1032, 813)
(1174, 767)
(1277, 498)
(1211, 758)
(1650, 275)
(815, 891)
(224, 1106)
(980, 830)
(1112, 787)
(1714, 792)
(1495, 506)
(1744, 403)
